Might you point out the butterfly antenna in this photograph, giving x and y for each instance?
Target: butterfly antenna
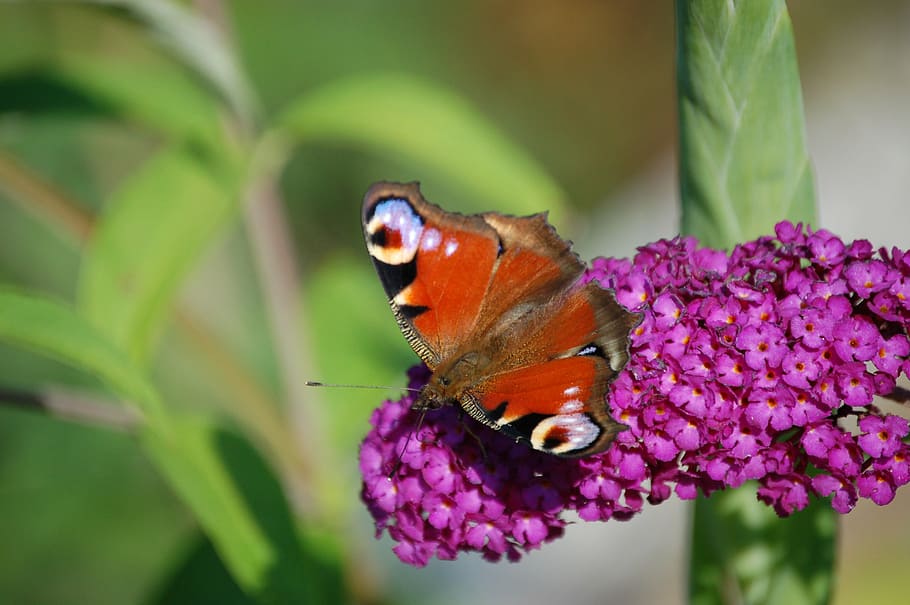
(407, 441)
(314, 383)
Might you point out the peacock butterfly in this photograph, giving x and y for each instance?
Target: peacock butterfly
(494, 306)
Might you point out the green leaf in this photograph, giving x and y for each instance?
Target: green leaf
(51, 328)
(416, 121)
(196, 43)
(743, 553)
(154, 229)
(346, 304)
(743, 159)
(240, 504)
(220, 476)
(157, 95)
(200, 578)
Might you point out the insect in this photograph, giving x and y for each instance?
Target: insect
(494, 307)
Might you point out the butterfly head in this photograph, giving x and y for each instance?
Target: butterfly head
(449, 382)
(432, 396)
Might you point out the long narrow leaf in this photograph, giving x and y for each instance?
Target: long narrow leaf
(154, 230)
(239, 503)
(196, 42)
(743, 160)
(411, 119)
(157, 95)
(51, 328)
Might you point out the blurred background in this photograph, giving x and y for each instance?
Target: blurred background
(584, 88)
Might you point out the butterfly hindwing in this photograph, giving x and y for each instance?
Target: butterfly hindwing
(534, 265)
(553, 395)
(557, 407)
(586, 321)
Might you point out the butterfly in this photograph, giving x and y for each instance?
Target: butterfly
(493, 305)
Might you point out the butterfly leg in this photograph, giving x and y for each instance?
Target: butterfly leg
(466, 424)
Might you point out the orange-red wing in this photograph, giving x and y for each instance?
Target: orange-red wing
(435, 266)
(586, 321)
(535, 266)
(559, 406)
(451, 282)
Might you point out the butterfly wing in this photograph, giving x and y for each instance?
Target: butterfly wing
(558, 407)
(535, 266)
(551, 392)
(449, 276)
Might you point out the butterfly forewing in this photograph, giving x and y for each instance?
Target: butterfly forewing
(434, 266)
(533, 267)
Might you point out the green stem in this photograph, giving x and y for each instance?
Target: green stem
(73, 407)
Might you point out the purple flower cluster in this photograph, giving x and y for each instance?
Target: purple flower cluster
(757, 365)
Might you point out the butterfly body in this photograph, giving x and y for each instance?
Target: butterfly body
(493, 305)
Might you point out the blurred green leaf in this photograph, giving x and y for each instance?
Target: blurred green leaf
(219, 475)
(52, 328)
(380, 358)
(743, 159)
(153, 231)
(200, 578)
(241, 505)
(72, 496)
(744, 553)
(415, 120)
(381, 354)
(155, 95)
(196, 42)
(743, 167)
